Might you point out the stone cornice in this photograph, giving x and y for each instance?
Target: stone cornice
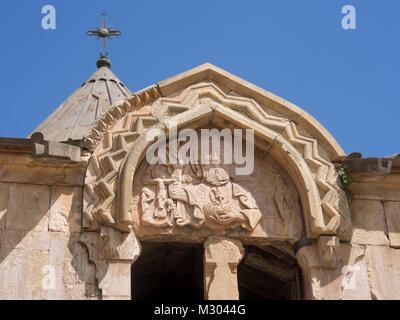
(13, 145)
(372, 165)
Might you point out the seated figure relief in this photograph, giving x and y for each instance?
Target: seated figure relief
(196, 195)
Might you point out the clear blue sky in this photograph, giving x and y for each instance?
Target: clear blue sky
(347, 79)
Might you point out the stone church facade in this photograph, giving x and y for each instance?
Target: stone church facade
(83, 215)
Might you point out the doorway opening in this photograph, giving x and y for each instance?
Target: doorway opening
(268, 274)
(174, 272)
(168, 272)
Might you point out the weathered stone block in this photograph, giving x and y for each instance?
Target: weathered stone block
(392, 213)
(354, 274)
(65, 209)
(28, 207)
(369, 222)
(345, 229)
(22, 275)
(117, 282)
(384, 272)
(58, 246)
(21, 239)
(3, 204)
(347, 281)
(92, 242)
(116, 245)
(21, 168)
(75, 274)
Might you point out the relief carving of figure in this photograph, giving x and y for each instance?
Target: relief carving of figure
(285, 202)
(196, 195)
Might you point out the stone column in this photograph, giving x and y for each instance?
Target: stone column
(221, 257)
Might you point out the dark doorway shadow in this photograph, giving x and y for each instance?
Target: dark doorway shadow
(268, 274)
(168, 272)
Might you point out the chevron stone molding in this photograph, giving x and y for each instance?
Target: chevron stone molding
(121, 132)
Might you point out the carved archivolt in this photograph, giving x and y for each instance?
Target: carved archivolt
(119, 146)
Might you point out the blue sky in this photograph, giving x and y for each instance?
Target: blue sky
(347, 79)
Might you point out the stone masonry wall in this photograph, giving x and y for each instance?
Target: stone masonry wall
(40, 253)
(42, 256)
(377, 232)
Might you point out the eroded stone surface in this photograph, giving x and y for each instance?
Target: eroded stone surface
(21, 274)
(384, 272)
(347, 280)
(116, 285)
(369, 222)
(28, 207)
(118, 245)
(354, 275)
(3, 204)
(21, 239)
(75, 274)
(392, 214)
(65, 209)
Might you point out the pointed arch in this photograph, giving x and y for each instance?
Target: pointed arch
(280, 149)
(297, 141)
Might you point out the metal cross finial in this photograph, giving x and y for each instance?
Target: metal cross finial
(104, 32)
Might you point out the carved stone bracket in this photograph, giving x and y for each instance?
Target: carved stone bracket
(117, 245)
(318, 260)
(323, 253)
(113, 254)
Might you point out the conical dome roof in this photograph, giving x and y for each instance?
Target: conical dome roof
(74, 118)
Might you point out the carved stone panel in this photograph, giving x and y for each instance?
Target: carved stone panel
(195, 201)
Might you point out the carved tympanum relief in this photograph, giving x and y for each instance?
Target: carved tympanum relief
(210, 199)
(203, 197)
(119, 139)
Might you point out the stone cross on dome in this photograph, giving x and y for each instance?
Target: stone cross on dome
(104, 33)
